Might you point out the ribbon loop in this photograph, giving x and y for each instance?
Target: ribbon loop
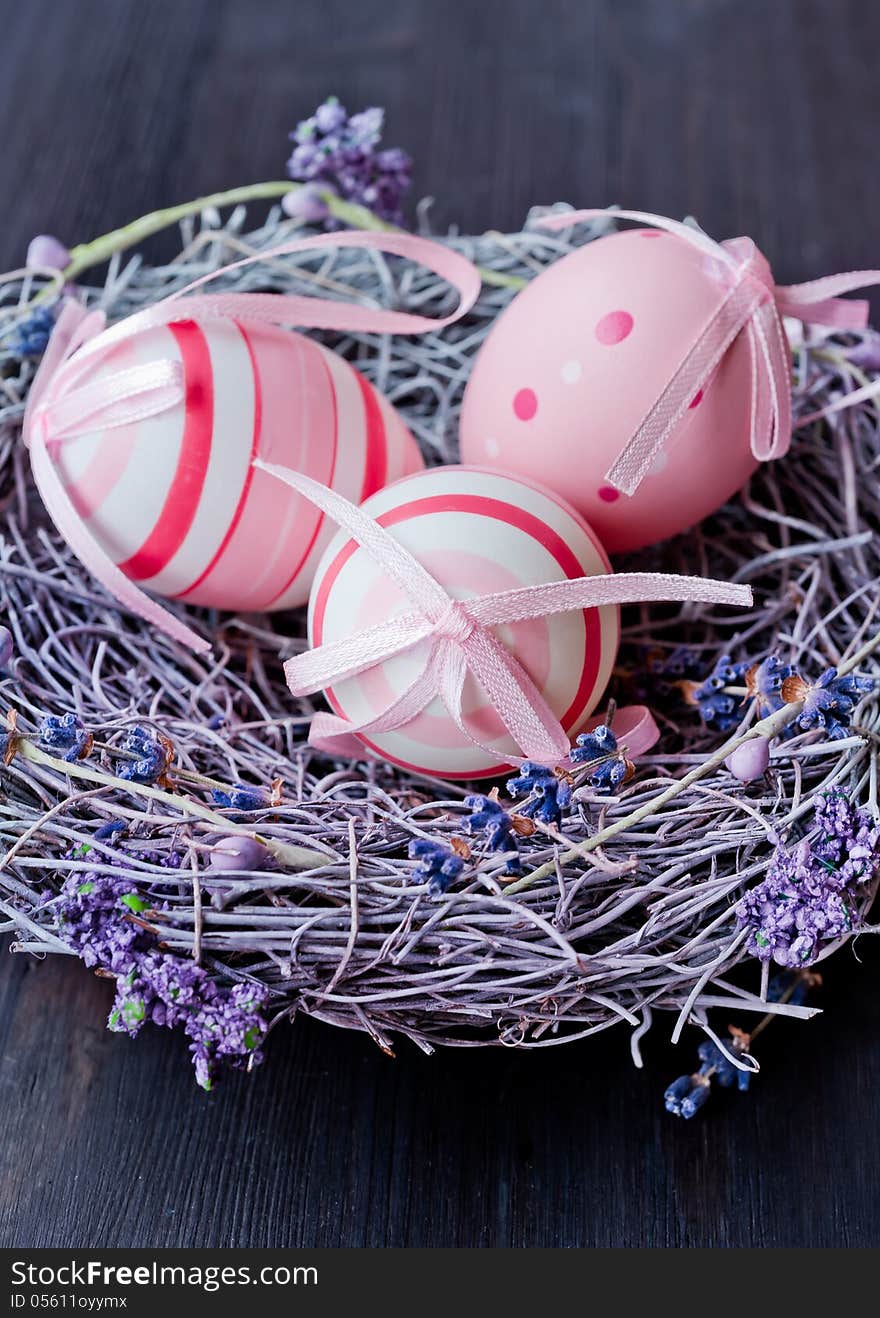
(750, 302)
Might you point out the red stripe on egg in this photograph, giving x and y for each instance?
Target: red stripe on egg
(182, 499)
(376, 457)
(248, 480)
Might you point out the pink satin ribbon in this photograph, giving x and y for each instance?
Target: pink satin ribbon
(459, 640)
(64, 403)
(750, 303)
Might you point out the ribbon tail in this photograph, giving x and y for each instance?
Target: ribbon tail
(318, 313)
(523, 710)
(818, 301)
(771, 385)
(336, 735)
(611, 588)
(90, 553)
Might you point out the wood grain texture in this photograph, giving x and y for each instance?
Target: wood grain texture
(760, 118)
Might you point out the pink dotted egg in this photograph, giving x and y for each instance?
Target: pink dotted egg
(594, 340)
(174, 499)
(477, 532)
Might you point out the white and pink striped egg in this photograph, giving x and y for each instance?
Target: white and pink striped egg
(477, 532)
(174, 499)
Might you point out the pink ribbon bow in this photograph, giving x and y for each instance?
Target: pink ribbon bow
(458, 639)
(63, 404)
(752, 304)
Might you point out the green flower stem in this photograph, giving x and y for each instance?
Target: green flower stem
(769, 727)
(295, 857)
(87, 255)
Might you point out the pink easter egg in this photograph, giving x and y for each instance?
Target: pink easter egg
(174, 499)
(477, 532)
(576, 361)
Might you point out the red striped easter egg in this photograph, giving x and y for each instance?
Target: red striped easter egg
(174, 499)
(477, 532)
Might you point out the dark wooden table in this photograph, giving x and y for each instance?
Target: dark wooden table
(760, 118)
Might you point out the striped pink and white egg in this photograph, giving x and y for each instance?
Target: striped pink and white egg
(174, 499)
(477, 532)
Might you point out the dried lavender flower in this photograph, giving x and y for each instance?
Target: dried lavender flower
(718, 707)
(240, 797)
(66, 733)
(489, 817)
(600, 750)
(764, 681)
(99, 916)
(438, 864)
(153, 755)
(686, 1095)
(30, 336)
(550, 795)
(807, 898)
(341, 154)
(829, 702)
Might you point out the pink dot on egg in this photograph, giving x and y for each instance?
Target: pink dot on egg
(697, 399)
(608, 494)
(650, 233)
(614, 327)
(525, 404)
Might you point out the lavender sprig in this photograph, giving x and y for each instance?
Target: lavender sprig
(30, 336)
(100, 916)
(342, 154)
(686, 1095)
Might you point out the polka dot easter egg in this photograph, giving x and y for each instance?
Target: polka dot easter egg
(477, 532)
(575, 364)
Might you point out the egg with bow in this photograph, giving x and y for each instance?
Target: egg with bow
(477, 533)
(577, 361)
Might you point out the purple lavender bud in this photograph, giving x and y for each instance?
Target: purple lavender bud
(749, 760)
(47, 252)
(330, 116)
(6, 647)
(238, 853)
(692, 1102)
(306, 204)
